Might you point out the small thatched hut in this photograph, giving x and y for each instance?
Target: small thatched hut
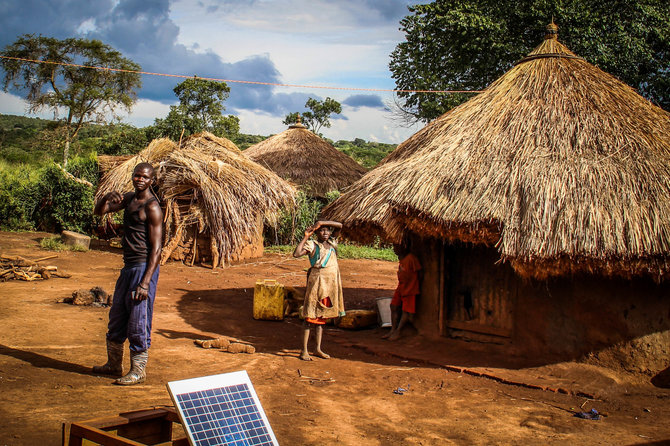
(539, 208)
(305, 159)
(215, 199)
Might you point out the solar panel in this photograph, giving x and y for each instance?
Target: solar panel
(221, 410)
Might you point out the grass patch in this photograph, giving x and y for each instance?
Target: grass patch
(346, 251)
(56, 244)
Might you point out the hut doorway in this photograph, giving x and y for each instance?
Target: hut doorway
(479, 294)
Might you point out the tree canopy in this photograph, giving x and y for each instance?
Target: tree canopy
(467, 44)
(200, 108)
(85, 94)
(318, 117)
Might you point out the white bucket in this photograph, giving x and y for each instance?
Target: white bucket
(384, 311)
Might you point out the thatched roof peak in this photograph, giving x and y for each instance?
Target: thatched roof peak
(552, 31)
(555, 160)
(297, 125)
(305, 159)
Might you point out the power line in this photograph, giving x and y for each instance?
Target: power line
(235, 81)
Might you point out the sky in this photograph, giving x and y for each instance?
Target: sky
(341, 43)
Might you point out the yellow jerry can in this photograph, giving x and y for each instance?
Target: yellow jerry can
(269, 300)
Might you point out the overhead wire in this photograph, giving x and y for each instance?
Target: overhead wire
(236, 81)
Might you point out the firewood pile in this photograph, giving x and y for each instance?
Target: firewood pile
(19, 268)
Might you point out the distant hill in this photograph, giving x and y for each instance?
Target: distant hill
(34, 141)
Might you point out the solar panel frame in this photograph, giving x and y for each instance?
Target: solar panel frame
(221, 409)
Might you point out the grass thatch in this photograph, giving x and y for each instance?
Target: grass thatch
(209, 184)
(305, 159)
(558, 164)
(118, 178)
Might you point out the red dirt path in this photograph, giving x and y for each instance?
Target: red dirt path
(46, 349)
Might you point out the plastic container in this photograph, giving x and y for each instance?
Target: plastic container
(269, 300)
(384, 311)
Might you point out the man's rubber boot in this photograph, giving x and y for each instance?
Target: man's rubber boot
(114, 365)
(137, 374)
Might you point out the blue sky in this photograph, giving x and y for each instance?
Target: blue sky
(341, 43)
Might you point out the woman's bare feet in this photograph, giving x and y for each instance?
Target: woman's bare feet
(387, 335)
(321, 354)
(305, 356)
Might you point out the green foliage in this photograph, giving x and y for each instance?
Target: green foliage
(346, 251)
(245, 141)
(64, 203)
(85, 167)
(19, 196)
(85, 94)
(318, 117)
(367, 154)
(121, 139)
(353, 251)
(291, 224)
(200, 109)
(467, 44)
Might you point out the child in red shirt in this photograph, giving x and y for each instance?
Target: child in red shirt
(403, 304)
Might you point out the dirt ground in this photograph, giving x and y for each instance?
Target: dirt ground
(458, 392)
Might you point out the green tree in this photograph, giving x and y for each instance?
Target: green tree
(318, 117)
(200, 108)
(85, 94)
(467, 44)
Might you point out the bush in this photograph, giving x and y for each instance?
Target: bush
(64, 203)
(19, 195)
(85, 167)
(291, 224)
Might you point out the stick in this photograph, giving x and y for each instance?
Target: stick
(45, 258)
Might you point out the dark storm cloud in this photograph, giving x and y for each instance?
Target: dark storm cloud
(143, 31)
(59, 19)
(364, 100)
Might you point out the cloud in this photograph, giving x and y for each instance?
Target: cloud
(307, 42)
(364, 100)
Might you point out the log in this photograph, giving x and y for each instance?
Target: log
(74, 239)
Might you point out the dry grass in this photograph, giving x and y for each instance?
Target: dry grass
(558, 164)
(209, 184)
(303, 158)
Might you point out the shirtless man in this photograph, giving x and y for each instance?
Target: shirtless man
(132, 307)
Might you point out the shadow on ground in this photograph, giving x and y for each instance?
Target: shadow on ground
(229, 312)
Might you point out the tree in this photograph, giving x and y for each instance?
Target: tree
(200, 109)
(318, 117)
(467, 44)
(85, 94)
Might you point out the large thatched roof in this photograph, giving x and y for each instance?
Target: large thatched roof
(558, 164)
(209, 183)
(305, 159)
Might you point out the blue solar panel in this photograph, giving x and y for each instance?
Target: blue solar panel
(222, 410)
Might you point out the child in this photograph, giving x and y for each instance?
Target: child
(323, 295)
(403, 304)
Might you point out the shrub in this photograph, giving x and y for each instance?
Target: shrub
(291, 224)
(19, 196)
(64, 203)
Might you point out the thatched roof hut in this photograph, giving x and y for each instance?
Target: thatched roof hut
(305, 159)
(557, 164)
(207, 186)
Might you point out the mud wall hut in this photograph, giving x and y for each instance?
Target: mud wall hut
(215, 200)
(540, 212)
(303, 158)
